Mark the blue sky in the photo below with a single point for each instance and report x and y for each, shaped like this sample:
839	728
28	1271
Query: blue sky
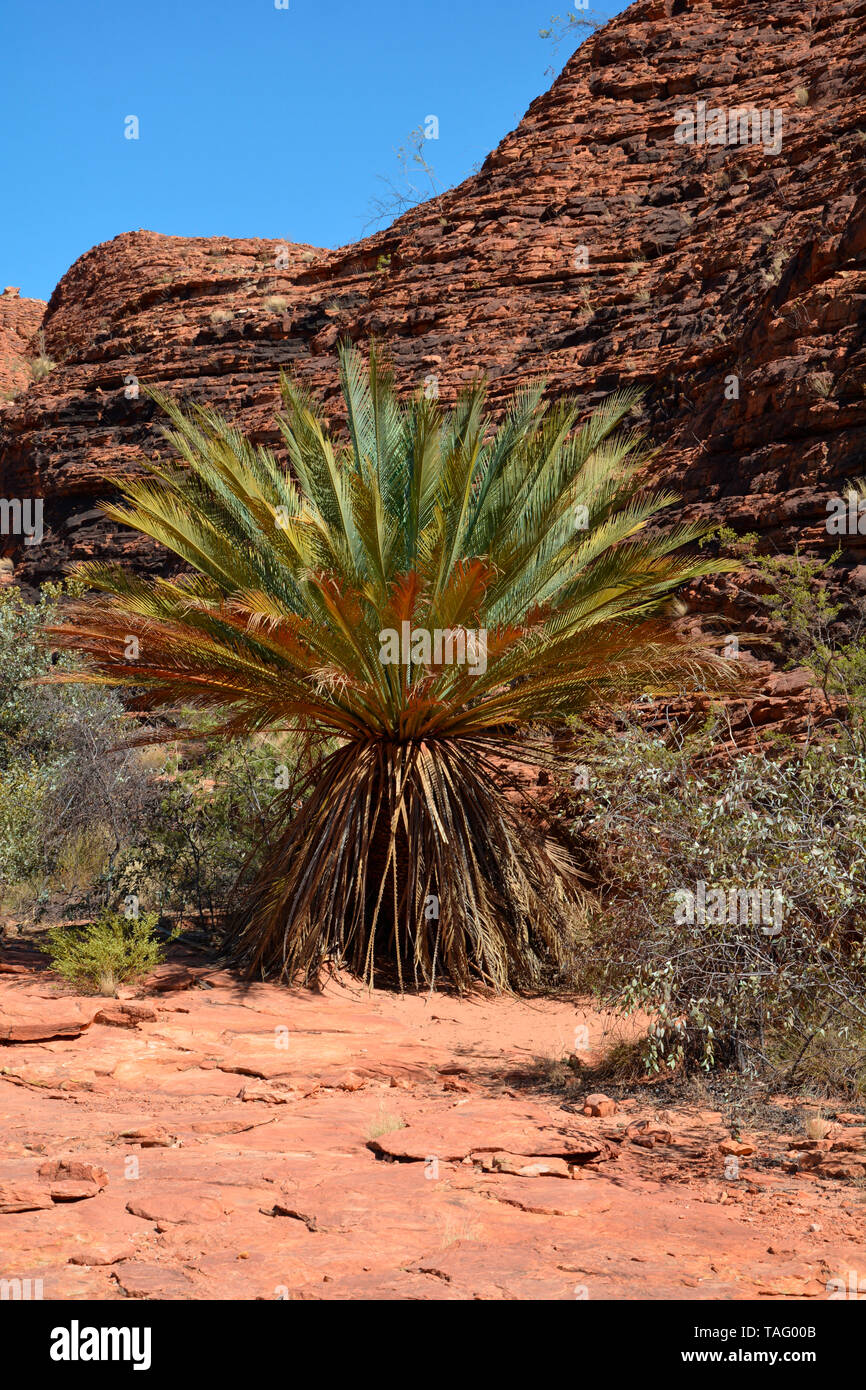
254	121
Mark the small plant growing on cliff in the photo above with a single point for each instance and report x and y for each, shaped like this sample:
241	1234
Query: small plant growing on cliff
532	539
568	26
221	316
42	364
107	953
774	274
415	182
821	383
801	96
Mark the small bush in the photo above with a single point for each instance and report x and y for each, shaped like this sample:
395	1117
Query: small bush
111	950
22	795
66	782
40	367
821	383
683	851
42	364
277	302
86	820
211	813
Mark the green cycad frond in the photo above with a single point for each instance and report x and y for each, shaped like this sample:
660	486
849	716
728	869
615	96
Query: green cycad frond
530	543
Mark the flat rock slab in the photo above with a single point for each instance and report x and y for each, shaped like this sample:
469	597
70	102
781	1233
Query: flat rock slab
476	1129
142	1280
174	1207
521	1167
102	1254
26	1019
73	1190
17	1197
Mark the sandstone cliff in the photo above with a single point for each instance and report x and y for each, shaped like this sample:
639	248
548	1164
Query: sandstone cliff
20	320
596	246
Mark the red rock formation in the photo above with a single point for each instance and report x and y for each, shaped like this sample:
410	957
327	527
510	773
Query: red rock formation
702	263
19	324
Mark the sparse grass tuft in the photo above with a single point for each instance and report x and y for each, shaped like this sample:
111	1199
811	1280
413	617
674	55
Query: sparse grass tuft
822	384
384	1123
624	1063
42	364
817	1127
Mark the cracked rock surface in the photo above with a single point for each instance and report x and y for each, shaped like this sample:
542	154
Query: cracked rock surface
255	1142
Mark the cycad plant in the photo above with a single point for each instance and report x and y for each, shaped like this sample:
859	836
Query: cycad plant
434	595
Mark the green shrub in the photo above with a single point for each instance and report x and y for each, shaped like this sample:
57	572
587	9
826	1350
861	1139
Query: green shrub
211	815
765	985
26	711
85	820
22	795
662	815
819	624
65	778
109	951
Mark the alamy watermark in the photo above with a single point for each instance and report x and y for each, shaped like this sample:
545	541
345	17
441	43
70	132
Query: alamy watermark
738	125
852	1287
756	907
18	1290
846	515
77	1343
419	646
22	518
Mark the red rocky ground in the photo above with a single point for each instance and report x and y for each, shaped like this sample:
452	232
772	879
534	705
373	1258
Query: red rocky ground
214	1140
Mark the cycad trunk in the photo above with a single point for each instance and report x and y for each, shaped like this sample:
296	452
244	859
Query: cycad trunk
410	855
